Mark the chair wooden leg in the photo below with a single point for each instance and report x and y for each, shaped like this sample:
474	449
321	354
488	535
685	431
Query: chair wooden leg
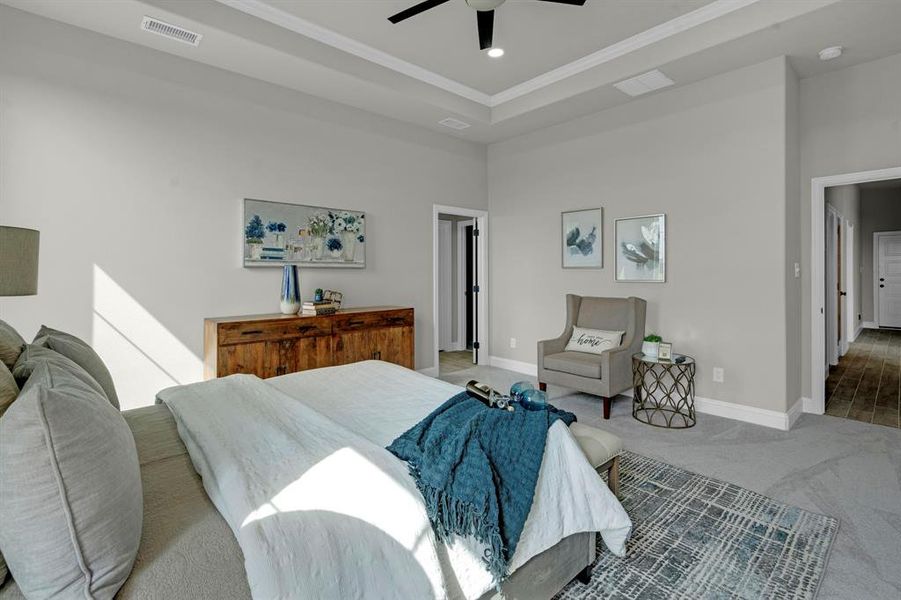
606	407
613	476
542	386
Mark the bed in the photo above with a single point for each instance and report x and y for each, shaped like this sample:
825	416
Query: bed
188	550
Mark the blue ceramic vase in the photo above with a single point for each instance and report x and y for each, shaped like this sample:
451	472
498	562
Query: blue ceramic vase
290	302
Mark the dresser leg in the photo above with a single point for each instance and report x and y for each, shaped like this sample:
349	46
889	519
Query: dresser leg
542	386
606	407
584	575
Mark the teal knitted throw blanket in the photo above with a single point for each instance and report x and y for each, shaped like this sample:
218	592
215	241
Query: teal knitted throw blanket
476	468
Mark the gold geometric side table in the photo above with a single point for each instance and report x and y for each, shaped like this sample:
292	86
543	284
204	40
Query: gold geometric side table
664	391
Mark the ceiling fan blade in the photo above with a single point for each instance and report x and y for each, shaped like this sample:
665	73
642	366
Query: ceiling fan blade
415	10
573	2
486	28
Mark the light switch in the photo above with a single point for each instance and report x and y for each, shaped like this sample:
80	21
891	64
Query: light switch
797	270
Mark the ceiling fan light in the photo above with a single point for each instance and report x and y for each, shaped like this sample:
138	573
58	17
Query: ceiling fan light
484	4
495	52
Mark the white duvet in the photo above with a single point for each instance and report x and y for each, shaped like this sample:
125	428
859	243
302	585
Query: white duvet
297	467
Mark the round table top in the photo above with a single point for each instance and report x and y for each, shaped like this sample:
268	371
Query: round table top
664	361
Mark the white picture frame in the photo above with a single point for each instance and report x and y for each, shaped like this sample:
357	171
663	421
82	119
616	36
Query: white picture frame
640	244
582	238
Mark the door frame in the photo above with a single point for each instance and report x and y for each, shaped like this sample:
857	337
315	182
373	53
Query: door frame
852	310
818	185
481	335
446	317
461	282
876	236
832	301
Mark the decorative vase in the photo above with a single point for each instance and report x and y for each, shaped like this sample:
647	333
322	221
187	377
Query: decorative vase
349	239
280	240
290	302
650	349
256	251
320	251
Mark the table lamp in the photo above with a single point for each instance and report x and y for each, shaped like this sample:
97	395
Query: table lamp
18	261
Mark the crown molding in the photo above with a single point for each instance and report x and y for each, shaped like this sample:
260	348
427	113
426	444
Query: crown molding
276	16
655	34
286	20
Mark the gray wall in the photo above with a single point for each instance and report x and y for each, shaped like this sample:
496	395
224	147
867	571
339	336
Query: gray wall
850	122
880	210
712	156
133	164
846	199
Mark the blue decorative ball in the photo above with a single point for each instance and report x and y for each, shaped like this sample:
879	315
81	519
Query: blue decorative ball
534	399
518	388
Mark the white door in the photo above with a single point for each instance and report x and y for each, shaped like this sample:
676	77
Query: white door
445	286
832	305
889	279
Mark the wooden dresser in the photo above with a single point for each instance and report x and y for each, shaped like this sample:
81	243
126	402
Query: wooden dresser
270	345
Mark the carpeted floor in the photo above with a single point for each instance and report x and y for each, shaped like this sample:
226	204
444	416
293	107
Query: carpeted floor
828	465
695	537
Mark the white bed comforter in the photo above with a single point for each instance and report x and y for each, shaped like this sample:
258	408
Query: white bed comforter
322	510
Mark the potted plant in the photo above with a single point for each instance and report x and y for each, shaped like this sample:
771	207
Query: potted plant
651	345
254	233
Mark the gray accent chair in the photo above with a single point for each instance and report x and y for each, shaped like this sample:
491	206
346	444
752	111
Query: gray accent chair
606	374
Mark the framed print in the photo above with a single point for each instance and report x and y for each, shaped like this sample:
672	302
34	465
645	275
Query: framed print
276	234
665	351
583	239
641	249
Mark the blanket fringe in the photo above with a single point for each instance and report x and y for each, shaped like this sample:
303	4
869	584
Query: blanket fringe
451	516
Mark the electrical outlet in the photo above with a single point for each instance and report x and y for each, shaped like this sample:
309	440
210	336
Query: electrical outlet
797	270
513	342
718	374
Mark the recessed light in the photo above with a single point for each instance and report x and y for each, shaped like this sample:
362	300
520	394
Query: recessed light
495	52
831	52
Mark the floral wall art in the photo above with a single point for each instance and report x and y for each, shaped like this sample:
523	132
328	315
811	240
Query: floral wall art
583	239
276	233
641	249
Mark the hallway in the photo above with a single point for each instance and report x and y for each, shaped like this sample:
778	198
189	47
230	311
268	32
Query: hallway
865	385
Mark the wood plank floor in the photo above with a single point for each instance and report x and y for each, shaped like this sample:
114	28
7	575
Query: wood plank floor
866	384
452	362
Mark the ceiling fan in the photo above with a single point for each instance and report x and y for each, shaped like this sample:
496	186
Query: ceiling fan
484	14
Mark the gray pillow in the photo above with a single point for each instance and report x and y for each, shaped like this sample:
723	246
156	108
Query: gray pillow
71	501
84	356
32	356
10	344
8	392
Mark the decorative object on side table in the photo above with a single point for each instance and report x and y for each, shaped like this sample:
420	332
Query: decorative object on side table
665	351
651	345
641	249
290	301
276	233
583	239
664	391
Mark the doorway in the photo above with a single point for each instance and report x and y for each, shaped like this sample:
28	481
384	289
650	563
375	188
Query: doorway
826	288
887	278
460	292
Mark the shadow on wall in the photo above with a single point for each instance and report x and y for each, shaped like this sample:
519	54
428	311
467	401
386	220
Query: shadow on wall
140	352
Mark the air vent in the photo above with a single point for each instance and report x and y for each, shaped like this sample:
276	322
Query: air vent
644	83
453	123
173	32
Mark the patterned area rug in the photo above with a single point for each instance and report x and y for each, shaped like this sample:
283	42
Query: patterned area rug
696	537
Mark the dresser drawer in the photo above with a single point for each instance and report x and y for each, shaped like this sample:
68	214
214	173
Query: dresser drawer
395	318
249	331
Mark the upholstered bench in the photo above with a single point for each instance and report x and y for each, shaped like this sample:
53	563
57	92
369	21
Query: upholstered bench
602	449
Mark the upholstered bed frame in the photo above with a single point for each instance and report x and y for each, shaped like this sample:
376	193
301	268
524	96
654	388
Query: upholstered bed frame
188	551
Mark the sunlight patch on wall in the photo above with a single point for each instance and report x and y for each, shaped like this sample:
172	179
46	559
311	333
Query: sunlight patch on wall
141	354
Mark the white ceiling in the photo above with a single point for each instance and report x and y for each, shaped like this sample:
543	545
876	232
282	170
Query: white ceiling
558	66
536	36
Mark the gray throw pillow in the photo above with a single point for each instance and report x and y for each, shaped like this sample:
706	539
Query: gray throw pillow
8	392
84	356
10	344
71	501
33	356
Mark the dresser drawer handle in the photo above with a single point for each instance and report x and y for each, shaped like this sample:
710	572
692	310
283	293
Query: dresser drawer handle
252	332
306	328
355	323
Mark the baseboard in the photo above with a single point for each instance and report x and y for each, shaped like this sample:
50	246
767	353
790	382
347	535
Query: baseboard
869	325
795	411
513	365
707	406
430	371
857	333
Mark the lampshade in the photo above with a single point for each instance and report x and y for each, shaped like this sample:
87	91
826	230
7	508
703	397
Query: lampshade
18	261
